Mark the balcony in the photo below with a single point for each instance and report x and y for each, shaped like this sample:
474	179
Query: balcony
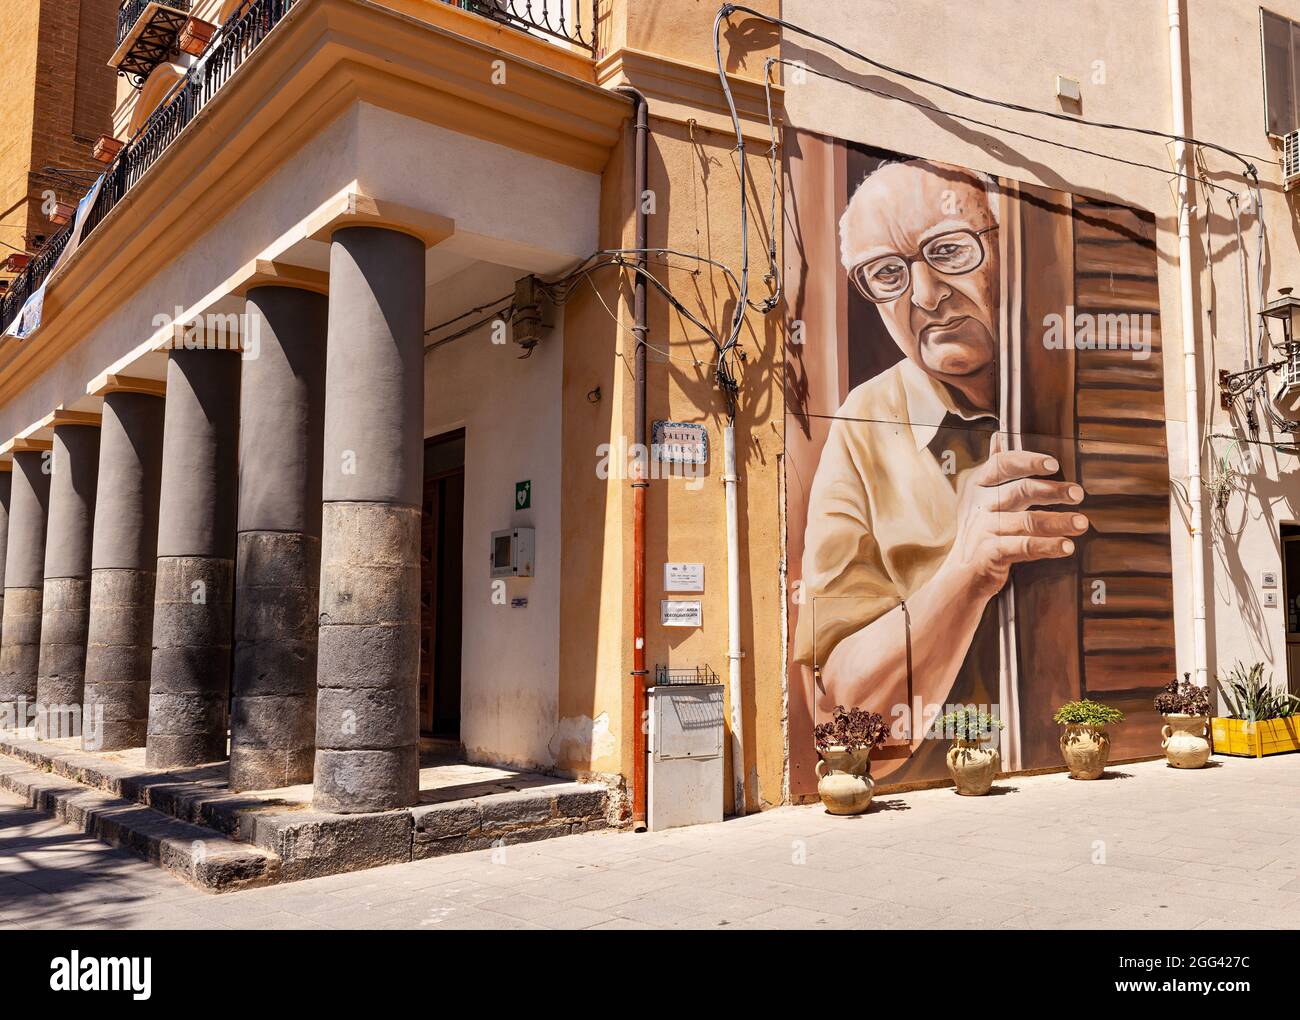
558	20
146	35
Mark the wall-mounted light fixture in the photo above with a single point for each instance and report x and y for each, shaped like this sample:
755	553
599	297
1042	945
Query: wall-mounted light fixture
1284	309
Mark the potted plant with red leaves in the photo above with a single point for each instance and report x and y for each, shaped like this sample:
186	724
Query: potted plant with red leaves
844	771
1186	709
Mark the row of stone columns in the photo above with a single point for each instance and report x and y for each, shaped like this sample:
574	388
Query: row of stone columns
245	561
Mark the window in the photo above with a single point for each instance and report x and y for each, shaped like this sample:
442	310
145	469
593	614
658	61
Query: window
1280	38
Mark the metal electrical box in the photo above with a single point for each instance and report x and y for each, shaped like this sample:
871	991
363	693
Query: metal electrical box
512	553
685	749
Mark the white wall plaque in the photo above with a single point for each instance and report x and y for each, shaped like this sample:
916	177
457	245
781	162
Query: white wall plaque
683	577
680	442
681	613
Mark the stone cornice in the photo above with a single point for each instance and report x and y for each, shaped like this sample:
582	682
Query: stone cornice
326	56
684	92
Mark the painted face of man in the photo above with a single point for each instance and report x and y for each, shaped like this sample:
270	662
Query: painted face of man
941	319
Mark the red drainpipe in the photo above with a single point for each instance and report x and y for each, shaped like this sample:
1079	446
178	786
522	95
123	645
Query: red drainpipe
640	674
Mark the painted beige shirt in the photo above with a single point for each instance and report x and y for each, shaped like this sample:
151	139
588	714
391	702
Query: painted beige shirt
883	507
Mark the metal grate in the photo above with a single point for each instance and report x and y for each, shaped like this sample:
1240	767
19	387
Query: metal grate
684	676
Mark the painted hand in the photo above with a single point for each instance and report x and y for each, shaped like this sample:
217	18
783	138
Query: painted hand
997	524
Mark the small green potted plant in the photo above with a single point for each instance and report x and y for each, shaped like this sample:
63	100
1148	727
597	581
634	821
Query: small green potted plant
972	762
1186	709
844	745
1085	744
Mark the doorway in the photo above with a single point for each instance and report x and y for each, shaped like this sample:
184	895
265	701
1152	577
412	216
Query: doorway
1291	602
442	533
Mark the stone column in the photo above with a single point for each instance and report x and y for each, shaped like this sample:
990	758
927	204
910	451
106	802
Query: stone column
120	639
6	487
65	605
189	683
20	635
277	571
367	724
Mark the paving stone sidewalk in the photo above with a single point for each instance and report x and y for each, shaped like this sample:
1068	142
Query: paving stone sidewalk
1146	847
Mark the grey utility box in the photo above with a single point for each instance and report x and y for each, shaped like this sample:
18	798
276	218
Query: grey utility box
685	744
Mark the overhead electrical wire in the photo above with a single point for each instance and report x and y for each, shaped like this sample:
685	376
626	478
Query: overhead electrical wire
725	376
726	10
931	108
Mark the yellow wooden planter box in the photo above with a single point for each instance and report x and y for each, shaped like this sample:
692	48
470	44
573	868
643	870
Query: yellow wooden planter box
1255	739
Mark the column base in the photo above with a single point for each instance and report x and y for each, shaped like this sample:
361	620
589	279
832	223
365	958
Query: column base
20	652
119	651
61	675
189	684
273	710
367	709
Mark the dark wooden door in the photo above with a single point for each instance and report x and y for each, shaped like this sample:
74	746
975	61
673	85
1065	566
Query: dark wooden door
441	574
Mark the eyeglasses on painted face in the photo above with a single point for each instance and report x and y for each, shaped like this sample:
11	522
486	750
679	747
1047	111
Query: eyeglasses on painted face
887	277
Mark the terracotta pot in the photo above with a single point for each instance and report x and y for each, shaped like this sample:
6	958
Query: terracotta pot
1085	749
972	765
107	148
1184	740
844	782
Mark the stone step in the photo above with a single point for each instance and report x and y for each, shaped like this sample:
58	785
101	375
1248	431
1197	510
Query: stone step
303	842
193	853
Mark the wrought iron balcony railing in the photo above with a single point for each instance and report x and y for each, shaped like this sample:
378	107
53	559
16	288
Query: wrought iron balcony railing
252	22
559	19
129	13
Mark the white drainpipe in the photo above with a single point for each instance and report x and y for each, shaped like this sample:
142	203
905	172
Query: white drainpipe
733	620
1191	369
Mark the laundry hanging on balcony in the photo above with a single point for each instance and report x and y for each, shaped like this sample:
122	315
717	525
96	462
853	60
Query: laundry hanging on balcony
28	319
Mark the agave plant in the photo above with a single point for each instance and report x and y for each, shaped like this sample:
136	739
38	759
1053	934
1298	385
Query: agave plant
1250	696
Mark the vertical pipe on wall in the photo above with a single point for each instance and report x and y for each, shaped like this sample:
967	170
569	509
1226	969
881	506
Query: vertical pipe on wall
1191	369
639	461
729	480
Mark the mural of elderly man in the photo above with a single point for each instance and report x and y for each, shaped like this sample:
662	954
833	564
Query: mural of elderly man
916	496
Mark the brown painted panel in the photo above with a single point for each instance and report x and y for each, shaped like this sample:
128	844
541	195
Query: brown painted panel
1110	257
1096	370
1138	736
1128	634
1148	435
1130	669
1129	517
1096	222
1124	471
1118	595
1047	591
1134	554
1119	405
1100	292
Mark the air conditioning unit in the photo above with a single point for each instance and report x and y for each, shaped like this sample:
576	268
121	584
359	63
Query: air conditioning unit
1287	398
1291	160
